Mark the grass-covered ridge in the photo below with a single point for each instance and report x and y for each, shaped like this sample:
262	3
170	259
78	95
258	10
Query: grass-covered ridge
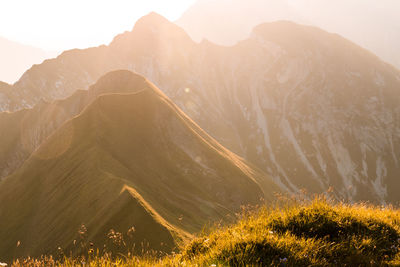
131	157
318	233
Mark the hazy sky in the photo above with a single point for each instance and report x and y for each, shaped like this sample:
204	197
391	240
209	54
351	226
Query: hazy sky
64	24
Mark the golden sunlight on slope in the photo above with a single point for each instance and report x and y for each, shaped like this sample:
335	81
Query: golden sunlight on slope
30	135
130	158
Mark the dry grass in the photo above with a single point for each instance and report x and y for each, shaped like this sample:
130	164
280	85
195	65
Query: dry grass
126	160
293	233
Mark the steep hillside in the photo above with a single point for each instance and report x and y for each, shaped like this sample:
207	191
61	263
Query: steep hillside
131	159
310	108
8	97
24	131
371	25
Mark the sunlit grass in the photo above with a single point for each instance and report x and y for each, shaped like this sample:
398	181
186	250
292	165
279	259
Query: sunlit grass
293	233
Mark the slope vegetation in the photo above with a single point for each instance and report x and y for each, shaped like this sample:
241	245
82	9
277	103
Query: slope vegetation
320	233
24	131
128	159
316	234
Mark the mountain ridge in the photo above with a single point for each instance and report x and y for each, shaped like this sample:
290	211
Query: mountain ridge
373	27
125	154
33	126
313	113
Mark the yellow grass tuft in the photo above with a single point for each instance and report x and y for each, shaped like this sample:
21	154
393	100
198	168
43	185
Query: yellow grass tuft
293	233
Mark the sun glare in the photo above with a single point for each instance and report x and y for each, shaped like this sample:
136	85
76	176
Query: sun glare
60	25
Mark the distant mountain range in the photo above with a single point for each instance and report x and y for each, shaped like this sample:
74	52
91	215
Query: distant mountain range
302	109
16	58
371	24
130	158
314	113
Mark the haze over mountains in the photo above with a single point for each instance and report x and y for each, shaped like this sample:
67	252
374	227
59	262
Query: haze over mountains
85	140
130	158
16	58
316	113
371	24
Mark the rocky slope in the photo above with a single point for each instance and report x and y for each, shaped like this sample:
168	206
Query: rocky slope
128	159
311	108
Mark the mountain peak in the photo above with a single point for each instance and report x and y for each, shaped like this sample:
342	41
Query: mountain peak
120	81
154	23
121	78
152	28
159	25
152	18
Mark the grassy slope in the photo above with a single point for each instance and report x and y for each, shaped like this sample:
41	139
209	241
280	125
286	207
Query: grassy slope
313	234
24	131
122	141
317	234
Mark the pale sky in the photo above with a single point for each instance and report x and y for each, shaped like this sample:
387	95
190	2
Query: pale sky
58	25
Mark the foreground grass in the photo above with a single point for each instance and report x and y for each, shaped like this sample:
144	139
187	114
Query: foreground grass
318	233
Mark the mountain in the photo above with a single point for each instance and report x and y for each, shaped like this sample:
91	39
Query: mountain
131	158
5	95
16	58
22	132
239	18
372	25
308	107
